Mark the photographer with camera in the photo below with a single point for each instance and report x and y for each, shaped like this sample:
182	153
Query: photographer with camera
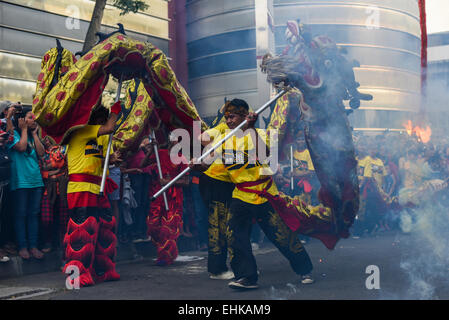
5	172
26	181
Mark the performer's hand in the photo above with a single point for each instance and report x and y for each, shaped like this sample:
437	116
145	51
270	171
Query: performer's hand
116	108
116	157
152	143
194	165
251	118
148	149
164	181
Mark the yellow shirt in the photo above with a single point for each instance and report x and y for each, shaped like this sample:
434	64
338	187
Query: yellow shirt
85	154
217	170
240	163
374	168
304	159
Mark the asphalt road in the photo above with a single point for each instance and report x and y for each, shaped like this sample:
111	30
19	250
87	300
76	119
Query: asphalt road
340	274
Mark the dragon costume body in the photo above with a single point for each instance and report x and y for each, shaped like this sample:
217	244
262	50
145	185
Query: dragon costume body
67	94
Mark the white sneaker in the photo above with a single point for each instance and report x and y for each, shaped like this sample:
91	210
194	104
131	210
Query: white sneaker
227	275
307	279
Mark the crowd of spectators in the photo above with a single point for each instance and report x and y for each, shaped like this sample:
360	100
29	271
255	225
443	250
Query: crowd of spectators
397	172
33	191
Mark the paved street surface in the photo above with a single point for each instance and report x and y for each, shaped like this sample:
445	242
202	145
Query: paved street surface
339	274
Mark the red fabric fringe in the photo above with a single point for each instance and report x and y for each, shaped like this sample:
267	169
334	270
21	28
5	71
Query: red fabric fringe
423	24
295	220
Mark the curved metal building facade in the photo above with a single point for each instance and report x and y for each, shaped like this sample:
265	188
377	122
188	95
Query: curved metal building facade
29	28
383	35
221	46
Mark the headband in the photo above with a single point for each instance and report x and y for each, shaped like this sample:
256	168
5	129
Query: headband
229	108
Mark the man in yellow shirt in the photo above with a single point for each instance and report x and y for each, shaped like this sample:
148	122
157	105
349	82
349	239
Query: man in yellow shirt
252	177
371	173
216	190
90	242
373	167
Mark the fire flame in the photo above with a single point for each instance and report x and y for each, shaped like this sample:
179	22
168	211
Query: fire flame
422	134
409	127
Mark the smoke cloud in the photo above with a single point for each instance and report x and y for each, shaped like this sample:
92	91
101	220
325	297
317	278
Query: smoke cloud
425	257
426	261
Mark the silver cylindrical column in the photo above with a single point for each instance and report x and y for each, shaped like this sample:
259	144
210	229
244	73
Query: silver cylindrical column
221	47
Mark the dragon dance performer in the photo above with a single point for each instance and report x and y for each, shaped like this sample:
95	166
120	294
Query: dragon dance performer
90	240
253	181
216	190
374	200
305	182
164	225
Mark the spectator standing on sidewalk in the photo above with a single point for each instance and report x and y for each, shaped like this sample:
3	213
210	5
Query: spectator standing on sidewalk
115	196
26	183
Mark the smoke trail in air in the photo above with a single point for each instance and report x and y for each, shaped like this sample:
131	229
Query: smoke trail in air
427	259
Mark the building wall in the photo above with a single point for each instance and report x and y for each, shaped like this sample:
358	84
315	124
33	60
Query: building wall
438	82
221	47
29	28
438	58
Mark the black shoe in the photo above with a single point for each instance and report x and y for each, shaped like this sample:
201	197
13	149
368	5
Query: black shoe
243	283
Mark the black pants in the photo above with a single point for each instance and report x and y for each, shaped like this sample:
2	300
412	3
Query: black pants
7	233
80	214
243	262
217	195
140	183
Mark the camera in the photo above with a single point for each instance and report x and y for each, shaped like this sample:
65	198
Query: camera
21	112
18	107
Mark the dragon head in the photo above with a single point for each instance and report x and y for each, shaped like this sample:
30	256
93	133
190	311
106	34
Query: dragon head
315	65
